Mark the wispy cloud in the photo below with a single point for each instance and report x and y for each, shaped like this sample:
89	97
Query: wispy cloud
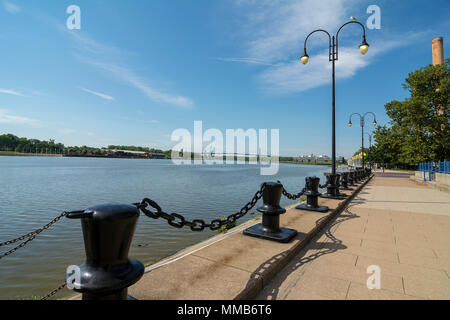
247	61
98	94
95	53
272	32
134	80
107	57
292	76
86	44
12	92
11	7
5	117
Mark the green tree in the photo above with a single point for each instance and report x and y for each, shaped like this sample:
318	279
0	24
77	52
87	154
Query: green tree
419	129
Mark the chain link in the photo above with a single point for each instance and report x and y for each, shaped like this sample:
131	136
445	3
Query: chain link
51	294
178	221
293	196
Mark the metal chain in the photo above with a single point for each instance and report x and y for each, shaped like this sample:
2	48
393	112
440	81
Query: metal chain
178	221
23	244
293	196
51	294
31	235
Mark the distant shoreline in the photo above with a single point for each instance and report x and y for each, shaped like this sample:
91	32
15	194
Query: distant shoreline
309	164
20	154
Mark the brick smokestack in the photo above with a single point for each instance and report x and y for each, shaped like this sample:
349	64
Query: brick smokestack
438	51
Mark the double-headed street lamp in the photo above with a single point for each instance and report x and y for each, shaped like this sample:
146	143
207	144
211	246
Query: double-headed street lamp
333	57
362	123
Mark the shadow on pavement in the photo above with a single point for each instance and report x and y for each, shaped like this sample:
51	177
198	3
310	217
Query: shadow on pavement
301	258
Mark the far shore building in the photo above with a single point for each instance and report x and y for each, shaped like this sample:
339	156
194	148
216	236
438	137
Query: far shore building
311	158
139	154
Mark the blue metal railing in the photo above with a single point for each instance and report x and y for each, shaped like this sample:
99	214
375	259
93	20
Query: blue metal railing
434	167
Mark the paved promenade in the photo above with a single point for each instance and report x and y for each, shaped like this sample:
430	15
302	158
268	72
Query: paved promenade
395	223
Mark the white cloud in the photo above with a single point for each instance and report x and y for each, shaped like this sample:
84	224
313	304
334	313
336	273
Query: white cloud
11	7
11	92
132	79
293	76
98	94
274	30
10	119
103	52
84	43
247	61
273	33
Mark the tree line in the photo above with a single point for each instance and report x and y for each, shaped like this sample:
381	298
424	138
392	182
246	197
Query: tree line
419	128
12	143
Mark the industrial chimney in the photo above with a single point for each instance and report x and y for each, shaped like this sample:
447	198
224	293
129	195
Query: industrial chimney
438	51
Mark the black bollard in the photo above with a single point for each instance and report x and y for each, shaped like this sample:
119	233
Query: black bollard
108	272
351	178
333	187
270	229
312	196
344	181
357	176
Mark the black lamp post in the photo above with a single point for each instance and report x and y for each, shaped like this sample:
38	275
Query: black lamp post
362	123
370	139
370	146
333	57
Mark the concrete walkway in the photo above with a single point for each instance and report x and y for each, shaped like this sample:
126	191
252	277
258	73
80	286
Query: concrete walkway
395	223
233	266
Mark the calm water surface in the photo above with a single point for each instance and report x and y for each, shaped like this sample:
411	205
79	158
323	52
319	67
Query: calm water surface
33	190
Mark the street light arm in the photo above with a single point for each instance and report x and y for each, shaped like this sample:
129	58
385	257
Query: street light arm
337	34
362	26
354	114
373	114
329	42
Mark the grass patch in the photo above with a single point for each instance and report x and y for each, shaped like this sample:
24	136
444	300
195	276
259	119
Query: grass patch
226	227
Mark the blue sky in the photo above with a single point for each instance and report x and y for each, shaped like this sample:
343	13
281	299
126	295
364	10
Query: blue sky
137	70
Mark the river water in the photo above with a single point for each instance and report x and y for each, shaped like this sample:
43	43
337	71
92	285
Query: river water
34	190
